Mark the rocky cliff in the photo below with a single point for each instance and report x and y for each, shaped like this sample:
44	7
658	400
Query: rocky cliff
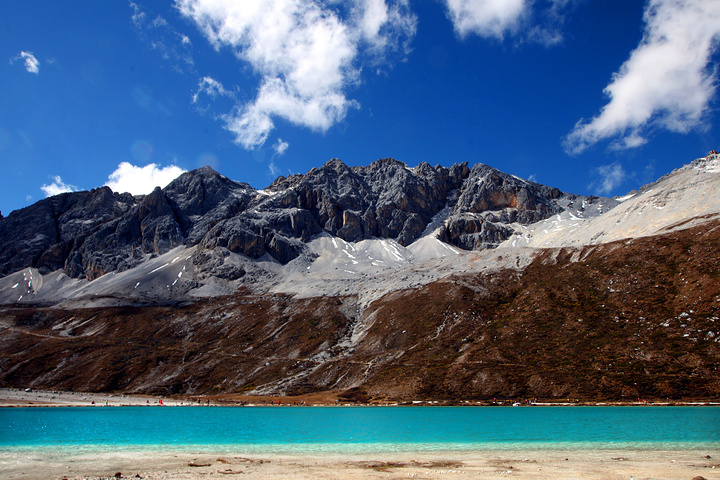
88	234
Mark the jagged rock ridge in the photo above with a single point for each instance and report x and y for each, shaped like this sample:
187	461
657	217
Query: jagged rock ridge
88	234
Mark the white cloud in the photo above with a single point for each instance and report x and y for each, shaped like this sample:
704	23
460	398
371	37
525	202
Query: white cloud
138	16
280	147
385	27
532	21
211	95
252	123
159	22
211	87
545	36
609	178
31	63
665	83
372	15
273	169
142	180
57	187
306	53
487	18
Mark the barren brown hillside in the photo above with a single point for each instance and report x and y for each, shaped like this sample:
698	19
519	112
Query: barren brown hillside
625	320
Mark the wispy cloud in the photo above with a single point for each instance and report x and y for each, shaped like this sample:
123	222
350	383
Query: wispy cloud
280	146
161	36
142	180
385	28
31	63
550	20
306	53
608	178
212	88
531	21
487	18
666	83
139	17
273	169
57	187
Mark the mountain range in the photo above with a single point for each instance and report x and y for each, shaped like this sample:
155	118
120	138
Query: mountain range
380	282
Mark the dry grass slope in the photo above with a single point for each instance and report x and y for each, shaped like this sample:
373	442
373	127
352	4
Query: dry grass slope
625	320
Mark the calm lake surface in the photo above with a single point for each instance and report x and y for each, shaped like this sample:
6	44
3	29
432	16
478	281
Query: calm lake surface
358	429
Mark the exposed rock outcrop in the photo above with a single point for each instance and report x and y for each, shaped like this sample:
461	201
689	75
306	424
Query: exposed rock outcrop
88	234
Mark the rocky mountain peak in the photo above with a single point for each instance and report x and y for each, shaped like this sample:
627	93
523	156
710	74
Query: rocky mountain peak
708	163
488	189
491	201
336	165
388	162
87	234
198	191
206	170
283	183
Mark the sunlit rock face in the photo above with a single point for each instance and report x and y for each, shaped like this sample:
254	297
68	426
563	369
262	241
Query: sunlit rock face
88	234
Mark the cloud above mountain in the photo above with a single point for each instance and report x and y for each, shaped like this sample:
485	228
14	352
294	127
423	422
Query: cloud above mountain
161	36
608	178
668	81
57	187
142	180
306	54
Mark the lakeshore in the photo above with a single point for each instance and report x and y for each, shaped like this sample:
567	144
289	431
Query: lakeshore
347	443
519	464
14	397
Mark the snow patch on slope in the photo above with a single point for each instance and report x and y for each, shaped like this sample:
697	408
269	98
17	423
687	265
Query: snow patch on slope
681	199
372	268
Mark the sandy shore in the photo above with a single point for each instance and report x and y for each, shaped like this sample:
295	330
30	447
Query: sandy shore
539	465
11	397
14	397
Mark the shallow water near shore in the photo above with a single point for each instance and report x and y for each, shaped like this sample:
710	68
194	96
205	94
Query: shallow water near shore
333	430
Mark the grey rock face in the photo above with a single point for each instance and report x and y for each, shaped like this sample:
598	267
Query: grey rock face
384	200
45	234
490	200
91	233
202	198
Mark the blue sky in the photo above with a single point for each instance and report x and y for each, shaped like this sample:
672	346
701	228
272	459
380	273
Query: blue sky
590	96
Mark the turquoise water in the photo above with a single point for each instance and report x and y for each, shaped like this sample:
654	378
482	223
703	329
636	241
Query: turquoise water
358	429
